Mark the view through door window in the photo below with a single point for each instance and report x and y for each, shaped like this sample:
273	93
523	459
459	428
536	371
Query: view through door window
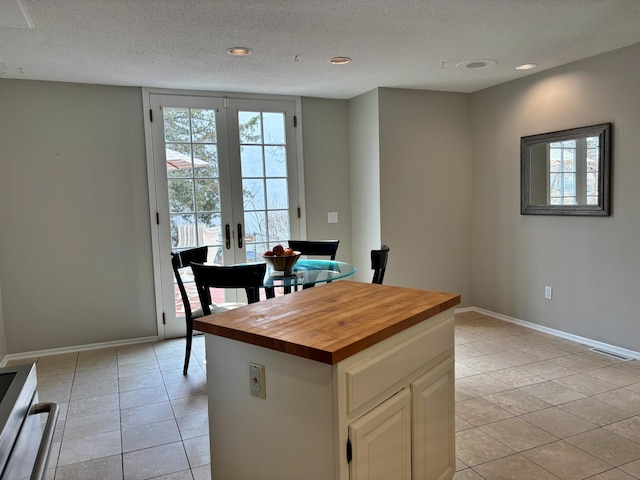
263	157
230	167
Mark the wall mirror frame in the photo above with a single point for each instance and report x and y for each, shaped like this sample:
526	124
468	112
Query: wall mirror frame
567	172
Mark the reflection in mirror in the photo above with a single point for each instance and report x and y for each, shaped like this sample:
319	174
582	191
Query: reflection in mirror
566	172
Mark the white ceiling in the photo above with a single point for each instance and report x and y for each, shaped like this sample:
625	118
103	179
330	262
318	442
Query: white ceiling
393	43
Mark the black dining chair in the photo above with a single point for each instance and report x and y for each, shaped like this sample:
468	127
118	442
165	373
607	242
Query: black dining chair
379	263
319	248
315	248
179	260
250	277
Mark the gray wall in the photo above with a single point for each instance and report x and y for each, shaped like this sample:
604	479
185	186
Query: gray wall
364	153
410	153
593	264
397	165
75	243
75	255
326	171
425	193
3	343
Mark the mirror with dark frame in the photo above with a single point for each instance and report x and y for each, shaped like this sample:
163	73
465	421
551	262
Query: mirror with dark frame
567	172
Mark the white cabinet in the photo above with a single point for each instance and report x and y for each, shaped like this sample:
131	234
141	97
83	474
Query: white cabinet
408	436
381	441
393	402
410	372
432	401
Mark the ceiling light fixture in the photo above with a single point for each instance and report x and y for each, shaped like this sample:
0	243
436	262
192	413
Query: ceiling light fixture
339	60
526	66
477	64
239	51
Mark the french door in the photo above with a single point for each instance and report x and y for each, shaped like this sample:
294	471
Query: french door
225	177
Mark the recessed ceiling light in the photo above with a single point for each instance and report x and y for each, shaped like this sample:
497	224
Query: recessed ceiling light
477	64
239	51
339	60
526	66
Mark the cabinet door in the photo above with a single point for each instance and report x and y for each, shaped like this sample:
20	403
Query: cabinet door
432	397
381	441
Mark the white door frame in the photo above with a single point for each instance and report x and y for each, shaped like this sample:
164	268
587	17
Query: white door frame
158	275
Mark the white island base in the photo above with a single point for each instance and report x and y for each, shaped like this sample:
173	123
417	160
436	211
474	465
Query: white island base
386	412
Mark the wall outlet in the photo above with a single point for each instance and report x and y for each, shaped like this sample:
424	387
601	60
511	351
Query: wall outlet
548	293
257	380
332	217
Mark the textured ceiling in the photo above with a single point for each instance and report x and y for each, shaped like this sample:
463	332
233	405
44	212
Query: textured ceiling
393	43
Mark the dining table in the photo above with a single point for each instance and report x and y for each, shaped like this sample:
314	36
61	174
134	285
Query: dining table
306	273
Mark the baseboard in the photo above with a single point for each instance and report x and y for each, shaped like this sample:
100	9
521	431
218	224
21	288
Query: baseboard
557	333
77	348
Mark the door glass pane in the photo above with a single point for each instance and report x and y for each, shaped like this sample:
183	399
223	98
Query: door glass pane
250	124
275	161
278	226
205	159
277	197
193	186
180	195
251	161
177	125
183	234
179	160
256	234
265	191
203	125
274	128
253	194
207	194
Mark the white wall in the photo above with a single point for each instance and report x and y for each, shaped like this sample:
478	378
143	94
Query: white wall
364	152
326	170
593	263
425	193
75	243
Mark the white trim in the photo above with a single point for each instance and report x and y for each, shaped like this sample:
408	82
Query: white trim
76	348
219	94
300	169
155	198
556	333
153	209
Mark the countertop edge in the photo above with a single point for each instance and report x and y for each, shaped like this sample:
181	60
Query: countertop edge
320	355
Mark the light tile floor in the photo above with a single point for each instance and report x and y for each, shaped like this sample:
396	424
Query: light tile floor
528	406
534	406
128	412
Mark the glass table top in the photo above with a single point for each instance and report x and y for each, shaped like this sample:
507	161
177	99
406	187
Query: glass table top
308	272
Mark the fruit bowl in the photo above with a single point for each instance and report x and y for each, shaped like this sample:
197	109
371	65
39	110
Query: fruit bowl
282	263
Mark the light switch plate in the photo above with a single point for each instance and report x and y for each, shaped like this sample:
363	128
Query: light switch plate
332	217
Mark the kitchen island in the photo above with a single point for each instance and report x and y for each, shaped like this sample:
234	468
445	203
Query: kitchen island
343	381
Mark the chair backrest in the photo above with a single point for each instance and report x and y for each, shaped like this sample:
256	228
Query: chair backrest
379	263
250	277
182	259
327	248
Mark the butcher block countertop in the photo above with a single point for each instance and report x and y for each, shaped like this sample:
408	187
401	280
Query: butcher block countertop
331	322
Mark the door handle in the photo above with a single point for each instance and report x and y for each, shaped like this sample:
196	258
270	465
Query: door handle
227	236
239	235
